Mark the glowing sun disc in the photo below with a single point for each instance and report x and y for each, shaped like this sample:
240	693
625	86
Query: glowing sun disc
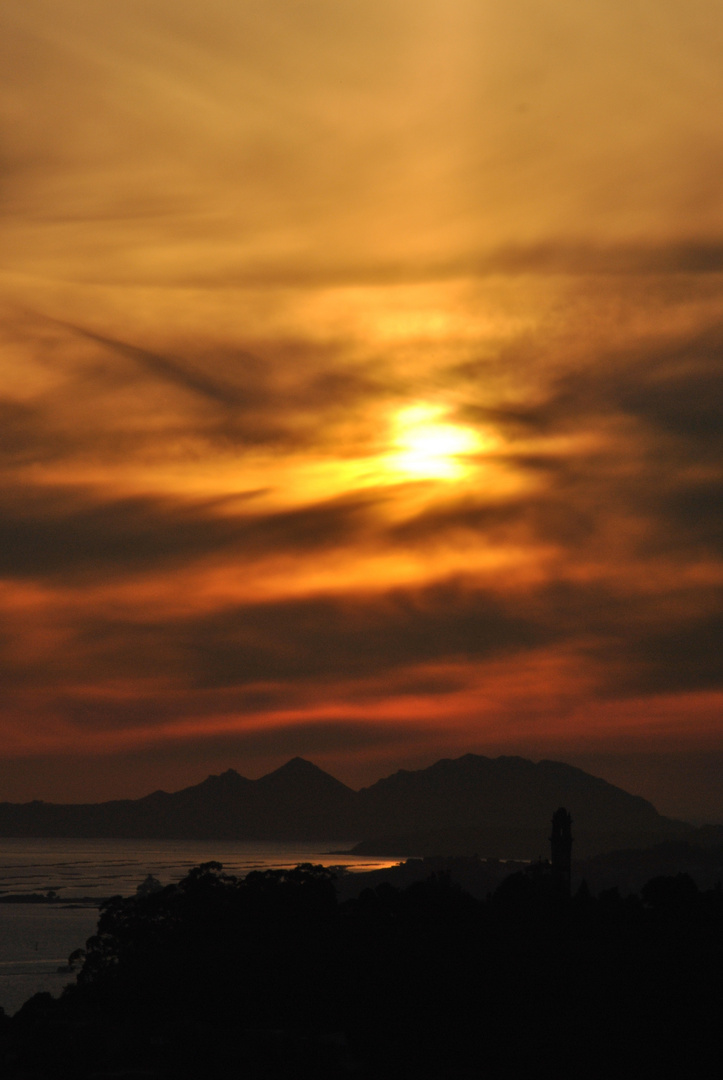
427	447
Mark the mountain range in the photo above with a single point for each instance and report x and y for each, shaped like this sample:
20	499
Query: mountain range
494	807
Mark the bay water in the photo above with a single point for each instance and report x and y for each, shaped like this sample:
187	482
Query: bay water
37	938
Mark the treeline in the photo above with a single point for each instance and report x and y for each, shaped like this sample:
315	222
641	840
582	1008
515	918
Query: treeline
272	976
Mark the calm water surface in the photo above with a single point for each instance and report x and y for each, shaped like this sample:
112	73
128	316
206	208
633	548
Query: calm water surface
36	938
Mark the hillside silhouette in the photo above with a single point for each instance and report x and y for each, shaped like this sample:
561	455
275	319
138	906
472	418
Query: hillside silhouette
471	804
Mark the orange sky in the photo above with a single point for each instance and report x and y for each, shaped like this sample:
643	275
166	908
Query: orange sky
360	390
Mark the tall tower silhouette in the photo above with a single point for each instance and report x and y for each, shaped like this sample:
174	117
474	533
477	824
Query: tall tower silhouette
561	848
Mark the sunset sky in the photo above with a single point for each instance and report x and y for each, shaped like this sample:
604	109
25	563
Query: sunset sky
360	390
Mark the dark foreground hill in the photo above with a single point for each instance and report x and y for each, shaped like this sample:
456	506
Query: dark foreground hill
273	977
496	807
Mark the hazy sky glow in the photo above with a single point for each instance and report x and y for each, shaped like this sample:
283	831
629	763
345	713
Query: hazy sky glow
360	390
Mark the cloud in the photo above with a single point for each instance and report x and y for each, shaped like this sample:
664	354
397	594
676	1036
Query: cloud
642	485
680	657
157	146
692	514
168	369
96	397
350	655
319	637
26	437
77	536
674	383
561	256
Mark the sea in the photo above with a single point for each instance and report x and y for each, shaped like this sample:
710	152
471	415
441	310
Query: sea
37	938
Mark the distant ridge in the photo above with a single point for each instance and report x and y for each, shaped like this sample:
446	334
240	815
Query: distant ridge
474	803
501	807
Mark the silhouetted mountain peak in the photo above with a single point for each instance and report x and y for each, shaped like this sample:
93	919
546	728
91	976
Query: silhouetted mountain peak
228	781
504	792
473	768
298	765
230	776
298	771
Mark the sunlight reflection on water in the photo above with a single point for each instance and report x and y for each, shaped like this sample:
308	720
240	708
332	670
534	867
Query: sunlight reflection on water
100	868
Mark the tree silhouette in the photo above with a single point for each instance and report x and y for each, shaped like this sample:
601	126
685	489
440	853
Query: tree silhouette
271	976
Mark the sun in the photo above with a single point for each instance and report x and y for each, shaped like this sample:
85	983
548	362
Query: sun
427	447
